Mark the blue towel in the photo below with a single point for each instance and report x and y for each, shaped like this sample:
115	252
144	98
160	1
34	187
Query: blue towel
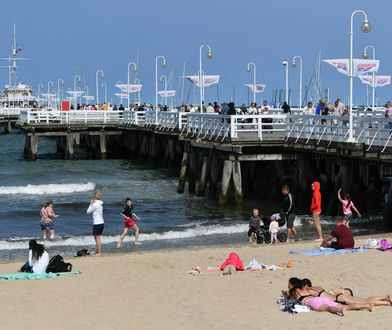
32	276
326	252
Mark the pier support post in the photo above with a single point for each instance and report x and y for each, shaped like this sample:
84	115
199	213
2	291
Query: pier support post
31	147
226	178
7	127
77	139
192	172
214	176
61	145
205	170
70	145
102	144
183	172
237	180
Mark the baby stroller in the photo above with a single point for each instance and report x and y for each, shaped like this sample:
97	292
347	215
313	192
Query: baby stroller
264	236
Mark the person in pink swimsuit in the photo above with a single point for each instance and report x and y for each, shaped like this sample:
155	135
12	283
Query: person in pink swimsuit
347	205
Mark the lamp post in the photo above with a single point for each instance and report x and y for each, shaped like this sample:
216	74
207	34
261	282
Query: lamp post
105	89
137	81
40	85
201	75
97	74
366	56
365	28
50	83
164	80
77	80
293	63
128	74
156	83
254	78
60	82
285	63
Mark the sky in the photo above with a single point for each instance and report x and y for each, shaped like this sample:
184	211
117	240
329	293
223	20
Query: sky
64	38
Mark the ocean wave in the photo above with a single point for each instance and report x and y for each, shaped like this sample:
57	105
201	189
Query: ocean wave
199	231
47	189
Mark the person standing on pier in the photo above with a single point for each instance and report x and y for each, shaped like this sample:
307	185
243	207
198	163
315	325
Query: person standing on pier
96	210
315	209
289	212
286	108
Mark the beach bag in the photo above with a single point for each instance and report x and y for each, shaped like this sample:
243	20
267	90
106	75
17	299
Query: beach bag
384	245
82	253
371	243
57	265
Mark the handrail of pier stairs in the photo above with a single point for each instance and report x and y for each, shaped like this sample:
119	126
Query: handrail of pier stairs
318	142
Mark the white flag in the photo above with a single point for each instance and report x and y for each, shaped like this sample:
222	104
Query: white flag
208	80
360	66
131	88
167	93
379	81
259	87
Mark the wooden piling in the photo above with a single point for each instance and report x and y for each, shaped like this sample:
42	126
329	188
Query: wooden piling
204	176
7	127
225	183
31	147
70	145
102	144
183	172
237	180
214	176
192	172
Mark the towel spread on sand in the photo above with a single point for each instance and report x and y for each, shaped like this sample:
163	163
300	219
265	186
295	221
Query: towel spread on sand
326	251
32	276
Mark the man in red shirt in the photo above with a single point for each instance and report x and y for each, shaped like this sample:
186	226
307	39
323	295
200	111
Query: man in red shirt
344	237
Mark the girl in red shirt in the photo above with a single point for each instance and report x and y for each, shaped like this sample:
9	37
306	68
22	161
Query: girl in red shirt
315	209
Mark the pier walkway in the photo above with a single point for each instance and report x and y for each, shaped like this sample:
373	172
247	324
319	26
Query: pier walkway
371	131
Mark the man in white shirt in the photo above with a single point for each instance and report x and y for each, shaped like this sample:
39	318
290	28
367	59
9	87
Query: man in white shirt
210	108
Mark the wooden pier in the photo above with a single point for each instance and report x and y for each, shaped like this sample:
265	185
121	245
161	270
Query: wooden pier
221	156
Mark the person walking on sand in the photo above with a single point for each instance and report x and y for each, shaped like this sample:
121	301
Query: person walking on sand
289	212
47	220
96	210
129	222
315	209
347	205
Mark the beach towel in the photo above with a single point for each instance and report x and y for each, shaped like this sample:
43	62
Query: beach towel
326	251
233	260
254	265
32	276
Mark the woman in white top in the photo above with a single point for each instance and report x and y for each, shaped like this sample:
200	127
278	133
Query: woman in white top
38	259
96	209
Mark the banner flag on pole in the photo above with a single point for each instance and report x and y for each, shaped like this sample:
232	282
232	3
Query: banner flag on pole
170	93
259	87
131	88
208	80
379	81
360	66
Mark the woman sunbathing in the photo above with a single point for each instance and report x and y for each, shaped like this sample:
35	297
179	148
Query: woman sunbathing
306	296
344	296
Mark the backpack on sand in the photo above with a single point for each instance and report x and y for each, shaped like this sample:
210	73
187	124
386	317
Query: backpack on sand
57	265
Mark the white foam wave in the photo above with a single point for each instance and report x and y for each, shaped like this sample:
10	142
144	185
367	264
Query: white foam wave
168	235
47	189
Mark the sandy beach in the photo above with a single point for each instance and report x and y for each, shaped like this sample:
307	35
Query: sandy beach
153	290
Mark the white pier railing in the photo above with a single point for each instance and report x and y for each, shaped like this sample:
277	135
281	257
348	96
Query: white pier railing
73	117
10	112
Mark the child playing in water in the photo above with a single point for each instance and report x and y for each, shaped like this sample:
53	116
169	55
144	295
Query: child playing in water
254	225
47	220
273	230
347	204
129	222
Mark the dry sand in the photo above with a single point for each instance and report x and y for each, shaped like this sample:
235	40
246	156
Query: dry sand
153	290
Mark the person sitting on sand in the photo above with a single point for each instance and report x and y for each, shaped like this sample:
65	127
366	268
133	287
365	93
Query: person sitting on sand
299	293
347	205
129	222
38	259
47	220
343	234
254	225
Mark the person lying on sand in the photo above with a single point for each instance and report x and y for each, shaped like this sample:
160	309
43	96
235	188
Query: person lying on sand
299	292
340	295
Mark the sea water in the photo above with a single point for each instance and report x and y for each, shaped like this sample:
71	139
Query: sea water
168	219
